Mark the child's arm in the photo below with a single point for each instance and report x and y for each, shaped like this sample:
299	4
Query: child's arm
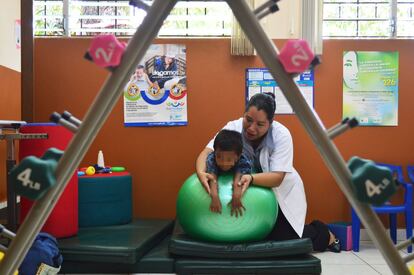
215	205
236	204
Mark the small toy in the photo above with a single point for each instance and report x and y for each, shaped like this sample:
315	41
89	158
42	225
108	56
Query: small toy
102	169
99	168
90	171
117	169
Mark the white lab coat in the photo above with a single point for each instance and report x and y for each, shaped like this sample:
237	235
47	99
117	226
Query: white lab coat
277	156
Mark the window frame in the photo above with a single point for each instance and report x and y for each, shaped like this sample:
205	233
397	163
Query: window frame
180	24
392	19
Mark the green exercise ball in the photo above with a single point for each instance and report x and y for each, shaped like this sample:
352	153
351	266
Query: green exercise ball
195	217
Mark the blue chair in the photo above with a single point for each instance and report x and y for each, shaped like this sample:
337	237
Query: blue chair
410	171
392	210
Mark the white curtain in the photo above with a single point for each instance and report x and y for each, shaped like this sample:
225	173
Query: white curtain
312	24
240	44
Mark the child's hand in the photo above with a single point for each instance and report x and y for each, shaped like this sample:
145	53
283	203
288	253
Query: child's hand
237	206
215	205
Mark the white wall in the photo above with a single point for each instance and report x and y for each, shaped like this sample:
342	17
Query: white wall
9	55
286	23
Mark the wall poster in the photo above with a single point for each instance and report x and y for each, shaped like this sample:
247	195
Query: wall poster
370	87
156	94
259	80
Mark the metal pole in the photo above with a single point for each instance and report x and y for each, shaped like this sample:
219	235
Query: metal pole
94	119
310	120
11	194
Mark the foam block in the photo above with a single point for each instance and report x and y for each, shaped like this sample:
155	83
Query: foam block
343	232
63	221
105	199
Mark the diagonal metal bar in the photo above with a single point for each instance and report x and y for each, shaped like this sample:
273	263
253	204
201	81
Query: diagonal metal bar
94	119
310	120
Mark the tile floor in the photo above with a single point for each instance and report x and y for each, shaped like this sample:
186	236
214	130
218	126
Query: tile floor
368	261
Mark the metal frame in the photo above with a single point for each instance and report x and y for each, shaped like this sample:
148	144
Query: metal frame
112	90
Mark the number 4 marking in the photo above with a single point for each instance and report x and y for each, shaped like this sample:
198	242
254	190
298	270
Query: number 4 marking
372	189
24	177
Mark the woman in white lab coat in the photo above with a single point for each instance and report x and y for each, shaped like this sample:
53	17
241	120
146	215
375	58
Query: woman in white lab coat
269	144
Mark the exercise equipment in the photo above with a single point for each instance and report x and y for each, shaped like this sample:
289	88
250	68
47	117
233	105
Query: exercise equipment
296	56
34	176
144	246
105	199
343	126
10	131
105	51
63	220
266	8
183	245
391	209
373	184
194	215
113	89
123	244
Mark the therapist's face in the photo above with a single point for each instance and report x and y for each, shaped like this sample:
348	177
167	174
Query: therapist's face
255	123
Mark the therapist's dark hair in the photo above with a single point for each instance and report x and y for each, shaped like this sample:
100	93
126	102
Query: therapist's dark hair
265	102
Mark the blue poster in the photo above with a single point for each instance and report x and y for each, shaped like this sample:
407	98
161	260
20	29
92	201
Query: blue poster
259	80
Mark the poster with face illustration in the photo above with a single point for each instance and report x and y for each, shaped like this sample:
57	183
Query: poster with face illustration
370	87
156	94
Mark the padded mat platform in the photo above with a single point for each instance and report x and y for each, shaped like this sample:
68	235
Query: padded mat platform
181	244
301	264
157	260
115	244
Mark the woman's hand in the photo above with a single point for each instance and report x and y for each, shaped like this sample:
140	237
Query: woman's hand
205	179
244	182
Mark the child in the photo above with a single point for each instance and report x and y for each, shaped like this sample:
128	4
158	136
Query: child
228	157
141	78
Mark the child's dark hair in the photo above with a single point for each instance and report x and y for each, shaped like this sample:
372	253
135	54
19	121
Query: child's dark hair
227	140
265	102
140	67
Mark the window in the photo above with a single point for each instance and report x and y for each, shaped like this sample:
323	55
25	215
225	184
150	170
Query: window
369	19
84	18
48	18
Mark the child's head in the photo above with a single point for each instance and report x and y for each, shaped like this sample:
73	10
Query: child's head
140	71
228	146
